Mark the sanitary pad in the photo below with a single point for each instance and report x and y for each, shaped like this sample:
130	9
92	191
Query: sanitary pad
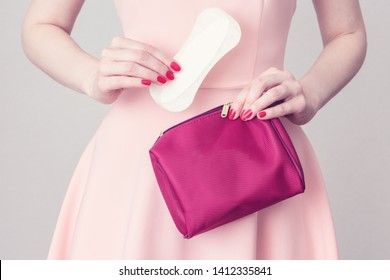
214	34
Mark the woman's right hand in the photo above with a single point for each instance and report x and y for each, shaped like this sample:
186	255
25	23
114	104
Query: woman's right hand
127	63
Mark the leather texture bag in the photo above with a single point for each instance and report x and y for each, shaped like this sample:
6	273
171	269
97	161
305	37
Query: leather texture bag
212	171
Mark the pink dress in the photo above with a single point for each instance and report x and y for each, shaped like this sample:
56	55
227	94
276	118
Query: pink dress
113	208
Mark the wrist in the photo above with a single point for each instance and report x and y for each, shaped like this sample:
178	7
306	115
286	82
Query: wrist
88	85
311	95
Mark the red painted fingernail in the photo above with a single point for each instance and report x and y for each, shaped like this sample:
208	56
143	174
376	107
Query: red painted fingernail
261	115
146	82
248	114
243	114
175	67
232	114
161	79
170	75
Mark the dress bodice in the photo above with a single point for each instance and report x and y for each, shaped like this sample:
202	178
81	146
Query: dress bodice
166	25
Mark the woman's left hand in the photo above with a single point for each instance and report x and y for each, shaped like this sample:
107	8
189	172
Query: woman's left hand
276	87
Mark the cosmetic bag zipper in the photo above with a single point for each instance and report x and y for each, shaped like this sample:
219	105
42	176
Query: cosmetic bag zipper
224	112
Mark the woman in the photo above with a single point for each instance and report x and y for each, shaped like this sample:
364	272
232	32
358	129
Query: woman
113	208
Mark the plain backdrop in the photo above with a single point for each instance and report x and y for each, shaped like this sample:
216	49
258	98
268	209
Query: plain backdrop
44	127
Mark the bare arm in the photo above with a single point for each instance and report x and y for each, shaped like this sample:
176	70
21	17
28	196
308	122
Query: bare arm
124	64
344	40
47	42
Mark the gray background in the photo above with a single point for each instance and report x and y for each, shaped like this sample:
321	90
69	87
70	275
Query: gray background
44	127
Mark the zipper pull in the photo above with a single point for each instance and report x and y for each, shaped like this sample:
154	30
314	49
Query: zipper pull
225	109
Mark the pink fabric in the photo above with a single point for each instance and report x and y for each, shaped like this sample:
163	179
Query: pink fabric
113	208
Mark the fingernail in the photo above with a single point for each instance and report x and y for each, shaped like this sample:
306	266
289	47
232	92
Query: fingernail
248	114
261	114
232	114
146	82
161	79
170	75
242	114
175	67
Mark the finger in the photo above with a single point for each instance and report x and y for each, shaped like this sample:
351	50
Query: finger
272	96
143	59
262	85
238	104
130	69
285	91
241	107
125	43
269	79
258	89
286	108
118	83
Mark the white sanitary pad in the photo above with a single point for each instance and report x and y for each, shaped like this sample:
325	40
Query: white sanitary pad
214	34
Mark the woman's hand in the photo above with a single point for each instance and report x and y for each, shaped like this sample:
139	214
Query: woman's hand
278	88
344	39
127	63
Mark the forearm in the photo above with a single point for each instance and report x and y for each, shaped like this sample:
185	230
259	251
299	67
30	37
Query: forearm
344	38
339	61
52	49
